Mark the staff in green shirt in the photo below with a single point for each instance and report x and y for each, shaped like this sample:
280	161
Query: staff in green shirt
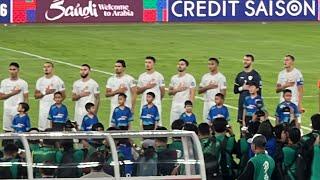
261	166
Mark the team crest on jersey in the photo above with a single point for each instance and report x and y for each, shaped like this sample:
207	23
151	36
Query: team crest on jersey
250	78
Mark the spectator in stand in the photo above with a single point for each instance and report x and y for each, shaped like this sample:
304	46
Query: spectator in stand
96	170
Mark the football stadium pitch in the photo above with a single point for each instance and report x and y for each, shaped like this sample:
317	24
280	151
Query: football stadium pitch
101	45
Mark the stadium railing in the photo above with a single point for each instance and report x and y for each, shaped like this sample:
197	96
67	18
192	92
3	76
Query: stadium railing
191	159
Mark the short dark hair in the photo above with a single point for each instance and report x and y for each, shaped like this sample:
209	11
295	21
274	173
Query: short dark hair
96	126
220	125
266	129
278	130
97	157
122	95
177	124
151	58
190	127
291	57
25	106
294	135
220	95
151	94
86	65
214	59
57	93
315	121
88	106
122	62
10	149
185	61
250	56
286	91
187	103
162	139
49	62
204	129
14	64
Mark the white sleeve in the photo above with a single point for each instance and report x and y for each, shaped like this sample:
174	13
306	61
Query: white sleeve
108	85
25	89
139	84
96	88
162	83
61	85
193	83
38	85
202	81
300	80
223	82
74	88
132	82
1	87
279	78
171	82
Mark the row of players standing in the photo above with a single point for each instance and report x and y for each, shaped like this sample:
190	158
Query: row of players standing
182	87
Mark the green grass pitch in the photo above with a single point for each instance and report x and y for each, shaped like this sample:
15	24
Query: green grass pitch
101	45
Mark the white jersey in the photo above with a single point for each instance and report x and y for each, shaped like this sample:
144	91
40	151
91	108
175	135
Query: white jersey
293	76
6	87
10	105
46	101
115	82
79	86
184	81
146	78
218	79
178	100
157	78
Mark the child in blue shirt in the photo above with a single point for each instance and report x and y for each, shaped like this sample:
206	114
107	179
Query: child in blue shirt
21	121
89	119
58	113
252	104
218	110
122	115
287	111
149	113
188	117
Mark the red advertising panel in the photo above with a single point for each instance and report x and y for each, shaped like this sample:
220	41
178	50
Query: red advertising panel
89	11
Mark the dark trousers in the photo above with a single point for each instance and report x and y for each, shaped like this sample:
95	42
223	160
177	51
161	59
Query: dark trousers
149	127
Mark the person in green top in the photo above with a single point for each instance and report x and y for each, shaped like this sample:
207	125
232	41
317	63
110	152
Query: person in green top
315	175
176	143
290	154
70	157
45	153
211	152
261	166
224	134
307	142
14	170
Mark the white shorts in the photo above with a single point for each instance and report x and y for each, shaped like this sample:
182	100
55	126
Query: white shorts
8	115
78	116
206	108
112	107
43	122
176	111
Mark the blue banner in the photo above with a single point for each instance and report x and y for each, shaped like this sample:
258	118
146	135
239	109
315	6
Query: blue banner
5	11
242	10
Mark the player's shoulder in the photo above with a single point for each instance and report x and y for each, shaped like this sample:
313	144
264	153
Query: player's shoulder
158	74
22	81
55	77
92	81
297	71
189	75
6	80
128	76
